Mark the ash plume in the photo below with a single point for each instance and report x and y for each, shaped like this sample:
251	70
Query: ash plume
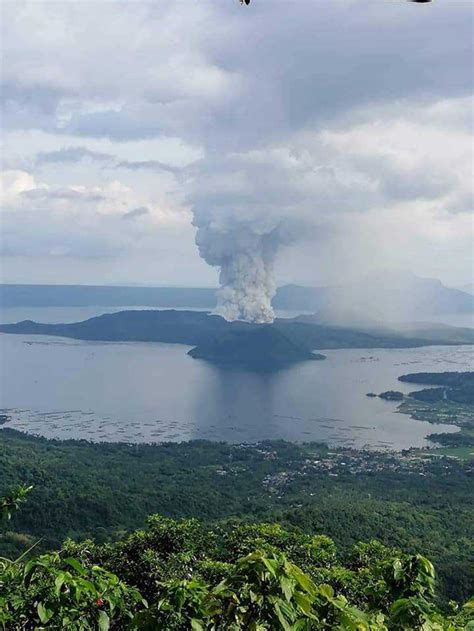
245	214
245	255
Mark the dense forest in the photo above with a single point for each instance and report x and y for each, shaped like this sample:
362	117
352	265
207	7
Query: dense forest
185	575
417	502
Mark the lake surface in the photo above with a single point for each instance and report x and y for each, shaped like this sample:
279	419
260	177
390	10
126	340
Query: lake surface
151	392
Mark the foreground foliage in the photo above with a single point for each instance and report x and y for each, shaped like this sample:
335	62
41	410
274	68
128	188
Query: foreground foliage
178	575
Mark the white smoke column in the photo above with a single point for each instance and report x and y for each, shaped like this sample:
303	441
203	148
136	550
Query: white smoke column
247	288
244	253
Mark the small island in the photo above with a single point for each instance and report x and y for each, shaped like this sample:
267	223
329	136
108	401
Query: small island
391	395
264	346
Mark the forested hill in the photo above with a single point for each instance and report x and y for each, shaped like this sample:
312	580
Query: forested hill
216	334
180	327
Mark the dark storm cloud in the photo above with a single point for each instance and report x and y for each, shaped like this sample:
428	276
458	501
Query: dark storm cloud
284	66
306	66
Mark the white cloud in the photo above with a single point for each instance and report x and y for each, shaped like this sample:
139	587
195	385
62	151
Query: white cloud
13	184
354	118
41	220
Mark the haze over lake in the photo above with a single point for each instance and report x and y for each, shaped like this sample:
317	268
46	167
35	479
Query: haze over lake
142	392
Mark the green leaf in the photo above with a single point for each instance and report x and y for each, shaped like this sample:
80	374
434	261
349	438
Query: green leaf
303	580
28	571
44	613
287	609
196	625
88	586
287	587
283	621
303	602
104	621
58	583
74	563
397	570
271	566
400	608
327	591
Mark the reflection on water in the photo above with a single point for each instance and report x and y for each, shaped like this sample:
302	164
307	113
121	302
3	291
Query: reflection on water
140	392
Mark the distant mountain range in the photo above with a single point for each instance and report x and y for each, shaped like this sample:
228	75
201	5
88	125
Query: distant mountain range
386	296
216	340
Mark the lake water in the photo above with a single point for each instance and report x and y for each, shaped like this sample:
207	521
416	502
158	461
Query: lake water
151	392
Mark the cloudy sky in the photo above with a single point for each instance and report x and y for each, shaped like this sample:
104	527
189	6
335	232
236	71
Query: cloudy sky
350	121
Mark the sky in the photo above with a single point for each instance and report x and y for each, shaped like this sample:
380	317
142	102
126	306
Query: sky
127	125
